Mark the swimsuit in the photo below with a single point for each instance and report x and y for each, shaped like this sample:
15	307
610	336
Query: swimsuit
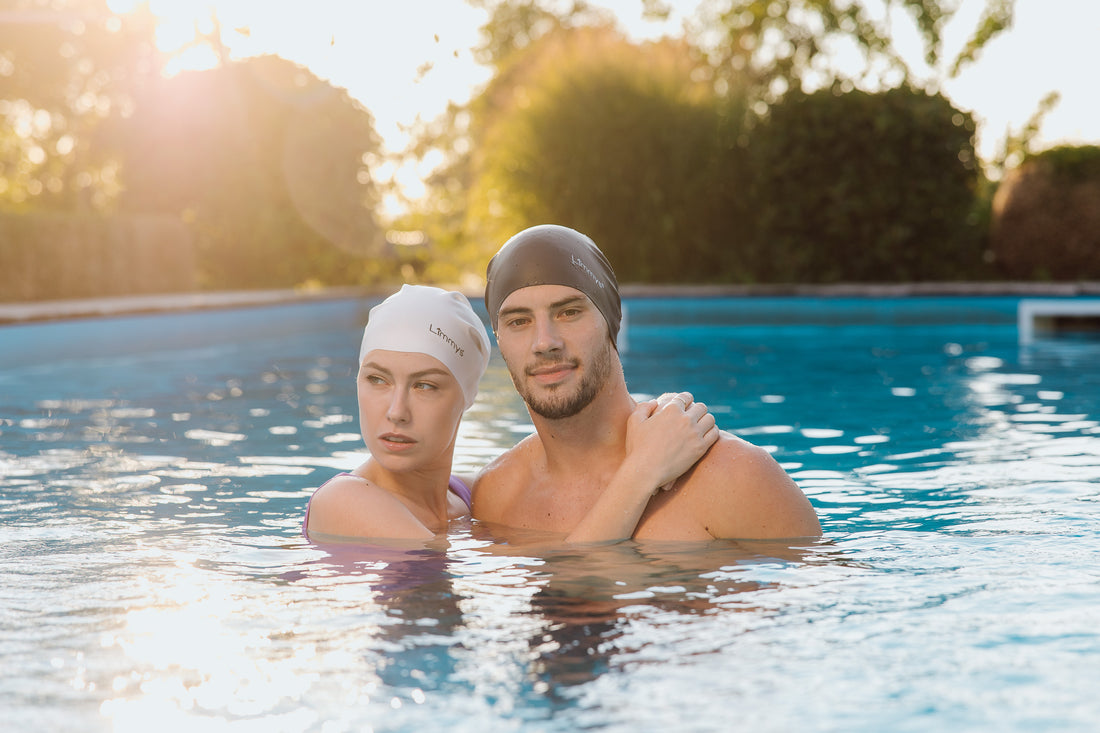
455	485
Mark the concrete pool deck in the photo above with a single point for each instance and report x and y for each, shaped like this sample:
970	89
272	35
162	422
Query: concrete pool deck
50	310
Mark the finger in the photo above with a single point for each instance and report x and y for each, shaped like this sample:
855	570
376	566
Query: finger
698	410
704	420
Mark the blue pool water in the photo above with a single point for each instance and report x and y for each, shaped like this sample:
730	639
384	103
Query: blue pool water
154	470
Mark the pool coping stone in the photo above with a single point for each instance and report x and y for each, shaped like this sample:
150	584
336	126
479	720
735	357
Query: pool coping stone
48	310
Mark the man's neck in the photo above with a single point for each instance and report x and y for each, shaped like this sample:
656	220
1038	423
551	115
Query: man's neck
592	439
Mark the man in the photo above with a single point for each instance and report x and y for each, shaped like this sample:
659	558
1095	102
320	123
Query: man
554	306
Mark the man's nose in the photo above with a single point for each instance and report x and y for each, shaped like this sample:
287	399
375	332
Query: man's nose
547	336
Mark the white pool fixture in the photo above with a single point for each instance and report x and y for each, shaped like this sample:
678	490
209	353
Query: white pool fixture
1047	318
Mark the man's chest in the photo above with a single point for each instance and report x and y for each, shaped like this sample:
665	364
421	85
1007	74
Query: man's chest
553	507
560	507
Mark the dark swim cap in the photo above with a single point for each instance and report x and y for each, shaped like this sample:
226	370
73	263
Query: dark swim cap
554	255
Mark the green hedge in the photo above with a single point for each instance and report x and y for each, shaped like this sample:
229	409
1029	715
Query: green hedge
620	142
57	256
865	187
631	145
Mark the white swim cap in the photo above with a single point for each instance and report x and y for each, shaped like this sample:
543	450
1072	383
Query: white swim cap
439	323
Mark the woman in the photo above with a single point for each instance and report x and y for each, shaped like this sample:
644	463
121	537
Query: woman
423	352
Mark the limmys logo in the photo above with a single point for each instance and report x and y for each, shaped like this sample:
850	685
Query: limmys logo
577	263
436	331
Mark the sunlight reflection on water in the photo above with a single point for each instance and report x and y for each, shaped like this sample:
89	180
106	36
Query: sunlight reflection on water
154	470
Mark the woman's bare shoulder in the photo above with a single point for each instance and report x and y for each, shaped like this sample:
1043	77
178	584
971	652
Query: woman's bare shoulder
351	506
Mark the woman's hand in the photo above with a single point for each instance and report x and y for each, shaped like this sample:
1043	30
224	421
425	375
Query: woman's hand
664	438
667	436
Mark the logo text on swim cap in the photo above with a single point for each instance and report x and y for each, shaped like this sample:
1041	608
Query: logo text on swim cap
436	331
573	260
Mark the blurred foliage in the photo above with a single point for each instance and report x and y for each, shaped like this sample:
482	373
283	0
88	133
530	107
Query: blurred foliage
49	255
1071	163
859	186
775	46
705	158
266	163
1018	145
647	147
625	142
67	67
1046	216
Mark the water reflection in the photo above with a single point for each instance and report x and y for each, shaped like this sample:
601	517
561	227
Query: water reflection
584	602
153	479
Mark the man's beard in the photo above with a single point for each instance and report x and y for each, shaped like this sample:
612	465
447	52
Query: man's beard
559	406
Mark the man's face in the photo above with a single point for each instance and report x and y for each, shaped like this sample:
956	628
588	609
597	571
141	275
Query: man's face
557	348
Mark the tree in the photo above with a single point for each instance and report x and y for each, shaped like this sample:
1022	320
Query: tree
624	142
266	162
781	45
68	68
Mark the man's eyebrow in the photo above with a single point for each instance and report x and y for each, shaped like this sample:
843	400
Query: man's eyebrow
512	310
571	300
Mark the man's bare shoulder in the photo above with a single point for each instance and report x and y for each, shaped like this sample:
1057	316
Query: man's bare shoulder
505	478
744	494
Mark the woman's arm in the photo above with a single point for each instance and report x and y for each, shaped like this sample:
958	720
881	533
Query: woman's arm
664	438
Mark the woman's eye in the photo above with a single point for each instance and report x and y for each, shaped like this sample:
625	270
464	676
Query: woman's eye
425	386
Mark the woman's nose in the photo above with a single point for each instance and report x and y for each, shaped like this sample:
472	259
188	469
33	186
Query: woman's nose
398	411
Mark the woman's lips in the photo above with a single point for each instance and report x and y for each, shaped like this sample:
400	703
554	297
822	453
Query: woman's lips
396	442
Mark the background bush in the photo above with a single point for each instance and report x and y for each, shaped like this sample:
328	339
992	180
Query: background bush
1046	216
56	256
627	144
864	187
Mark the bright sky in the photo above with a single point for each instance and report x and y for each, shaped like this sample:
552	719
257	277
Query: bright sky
405	59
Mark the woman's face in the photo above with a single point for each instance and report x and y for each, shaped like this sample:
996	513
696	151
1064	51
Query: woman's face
410	406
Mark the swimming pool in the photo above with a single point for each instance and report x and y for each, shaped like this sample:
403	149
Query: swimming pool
154	470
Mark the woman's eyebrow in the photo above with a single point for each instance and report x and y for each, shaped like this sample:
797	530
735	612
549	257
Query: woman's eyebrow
374	365
415	375
433	371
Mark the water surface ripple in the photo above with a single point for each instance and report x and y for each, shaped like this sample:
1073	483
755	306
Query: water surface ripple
154	470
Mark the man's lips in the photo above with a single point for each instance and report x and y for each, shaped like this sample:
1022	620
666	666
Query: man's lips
548	373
